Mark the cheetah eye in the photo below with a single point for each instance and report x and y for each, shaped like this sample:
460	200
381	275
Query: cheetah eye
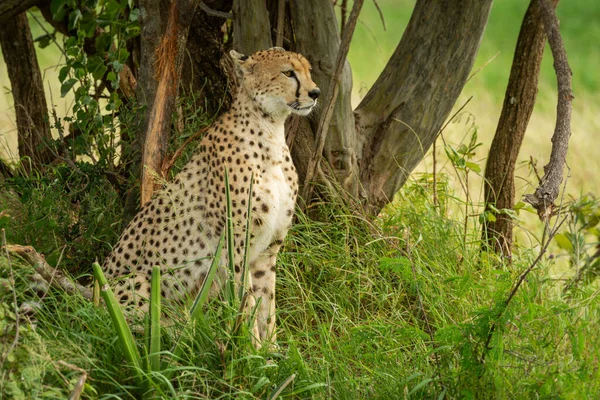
289	73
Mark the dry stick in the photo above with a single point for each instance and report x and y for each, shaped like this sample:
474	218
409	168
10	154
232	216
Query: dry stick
421	306
280	23
518	284
16	305
80	385
543	198
214	13
329	101
50	274
168	164
380	14
344	9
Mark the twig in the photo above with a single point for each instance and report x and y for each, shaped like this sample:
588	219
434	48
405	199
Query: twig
380	14
329	101
50	274
15	303
214	13
421	306
80	385
168	164
518	284
280	23
533	165
343	11
482	67
543	198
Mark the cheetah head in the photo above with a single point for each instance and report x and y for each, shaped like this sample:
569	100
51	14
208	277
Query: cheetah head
278	81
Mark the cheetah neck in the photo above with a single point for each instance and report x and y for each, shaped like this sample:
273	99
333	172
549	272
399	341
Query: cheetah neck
249	114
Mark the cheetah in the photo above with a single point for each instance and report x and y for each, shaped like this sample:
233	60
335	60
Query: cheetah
180	227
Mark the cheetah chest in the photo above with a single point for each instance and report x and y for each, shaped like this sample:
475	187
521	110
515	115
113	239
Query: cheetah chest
277	195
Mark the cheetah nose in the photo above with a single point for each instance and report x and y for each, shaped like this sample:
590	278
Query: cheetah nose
314	94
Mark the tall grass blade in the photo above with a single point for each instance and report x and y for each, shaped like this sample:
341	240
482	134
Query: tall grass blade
230	243
130	350
281	387
244	277
196	310
155	310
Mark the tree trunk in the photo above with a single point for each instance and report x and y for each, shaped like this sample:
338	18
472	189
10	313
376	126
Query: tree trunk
317	38
251	27
203	74
519	101
402	113
34	137
167	70
372	151
545	194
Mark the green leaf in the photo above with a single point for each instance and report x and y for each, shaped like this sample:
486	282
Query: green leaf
67	86
103	42
74	18
563	241
62	74
122	56
57	8
462	149
44	40
473	167
96	67
134	15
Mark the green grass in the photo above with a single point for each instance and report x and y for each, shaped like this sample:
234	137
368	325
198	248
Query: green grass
350	323
398	307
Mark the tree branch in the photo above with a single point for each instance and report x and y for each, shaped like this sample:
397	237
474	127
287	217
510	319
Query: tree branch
9	9
51	275
543	198
342	141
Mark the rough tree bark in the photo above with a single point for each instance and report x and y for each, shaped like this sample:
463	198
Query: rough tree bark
549	188
251	26
10	9
519	101
167	70
34	137
402	113
372	151
203	74
317	37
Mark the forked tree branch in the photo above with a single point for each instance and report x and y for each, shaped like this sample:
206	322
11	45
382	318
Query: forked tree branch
543	198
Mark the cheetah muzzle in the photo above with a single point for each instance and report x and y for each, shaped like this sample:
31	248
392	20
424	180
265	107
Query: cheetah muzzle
180	227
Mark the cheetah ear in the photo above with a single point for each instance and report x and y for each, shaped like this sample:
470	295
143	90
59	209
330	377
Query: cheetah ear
277	48
238	57
242	62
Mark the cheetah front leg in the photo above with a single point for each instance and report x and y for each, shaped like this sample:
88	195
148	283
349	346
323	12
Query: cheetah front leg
262	273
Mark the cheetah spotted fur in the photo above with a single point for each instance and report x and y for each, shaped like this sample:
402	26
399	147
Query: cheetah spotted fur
180	227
